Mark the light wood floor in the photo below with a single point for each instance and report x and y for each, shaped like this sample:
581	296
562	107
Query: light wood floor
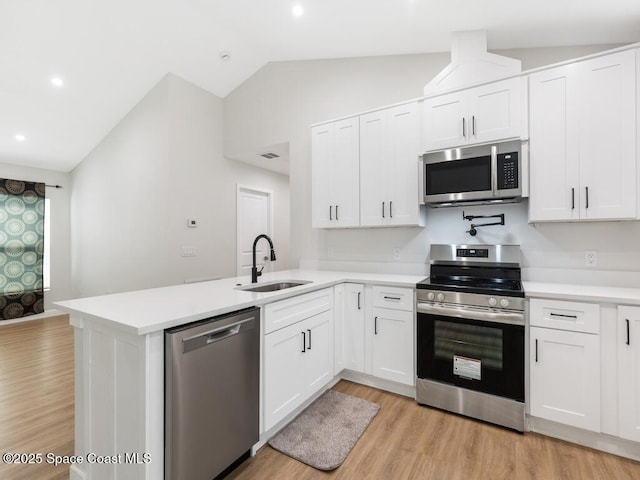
407	441
36	395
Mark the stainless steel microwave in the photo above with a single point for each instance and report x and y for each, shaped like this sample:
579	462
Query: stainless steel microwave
480	174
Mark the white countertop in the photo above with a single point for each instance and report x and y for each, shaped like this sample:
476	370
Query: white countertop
587	293
146	311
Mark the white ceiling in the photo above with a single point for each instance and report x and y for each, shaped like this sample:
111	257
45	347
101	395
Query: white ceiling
111	52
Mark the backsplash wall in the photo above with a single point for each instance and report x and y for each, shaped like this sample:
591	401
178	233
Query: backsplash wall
548	249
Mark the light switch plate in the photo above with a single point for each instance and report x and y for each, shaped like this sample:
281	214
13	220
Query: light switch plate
591	258
188	251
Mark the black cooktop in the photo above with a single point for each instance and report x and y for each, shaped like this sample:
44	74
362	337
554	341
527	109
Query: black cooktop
483	279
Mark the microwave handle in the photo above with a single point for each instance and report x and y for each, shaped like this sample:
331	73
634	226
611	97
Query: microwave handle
494	169
421	180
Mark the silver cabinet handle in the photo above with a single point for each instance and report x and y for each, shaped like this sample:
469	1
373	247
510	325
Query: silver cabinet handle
330	212
536	350
586	190
464	128
573	198
375	325
337	218
304	342
382	209
391	209
359	301
391	298
309	346
473	125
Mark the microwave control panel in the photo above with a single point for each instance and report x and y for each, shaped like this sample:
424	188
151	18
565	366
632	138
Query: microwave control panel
508	174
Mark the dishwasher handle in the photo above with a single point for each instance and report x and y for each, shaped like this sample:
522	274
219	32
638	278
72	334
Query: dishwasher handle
217	334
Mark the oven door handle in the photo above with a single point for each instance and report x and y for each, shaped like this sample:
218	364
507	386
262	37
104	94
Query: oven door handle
472	314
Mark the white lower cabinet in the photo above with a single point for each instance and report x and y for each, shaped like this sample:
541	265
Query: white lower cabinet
298	361
390	334
564	362
629	372
565	377
349	327
392	345
374	331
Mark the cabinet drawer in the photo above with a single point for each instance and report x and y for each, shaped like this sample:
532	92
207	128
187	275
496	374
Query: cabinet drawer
561	315
280	314
393	297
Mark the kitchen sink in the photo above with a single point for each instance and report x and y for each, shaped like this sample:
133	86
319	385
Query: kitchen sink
273	286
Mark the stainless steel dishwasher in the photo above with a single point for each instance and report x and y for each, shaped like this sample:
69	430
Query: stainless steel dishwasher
211	395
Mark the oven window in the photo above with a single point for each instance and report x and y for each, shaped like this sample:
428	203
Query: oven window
457	176
471	342
482	356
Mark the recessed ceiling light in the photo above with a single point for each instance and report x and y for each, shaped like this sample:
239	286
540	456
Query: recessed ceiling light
297	10
20	137
57	81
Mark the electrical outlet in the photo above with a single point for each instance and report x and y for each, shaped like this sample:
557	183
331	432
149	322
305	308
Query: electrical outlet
591	258
188	251
396	254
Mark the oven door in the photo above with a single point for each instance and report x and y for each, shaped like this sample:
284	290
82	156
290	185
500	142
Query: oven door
473	349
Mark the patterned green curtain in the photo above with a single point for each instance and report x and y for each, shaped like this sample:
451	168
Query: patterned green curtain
21	248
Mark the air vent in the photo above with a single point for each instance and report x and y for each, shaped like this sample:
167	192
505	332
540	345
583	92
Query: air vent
269	155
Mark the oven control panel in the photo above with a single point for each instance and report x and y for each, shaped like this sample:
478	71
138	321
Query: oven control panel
471	300
472	252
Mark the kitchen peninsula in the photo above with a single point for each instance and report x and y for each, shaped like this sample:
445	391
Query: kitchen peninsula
119	357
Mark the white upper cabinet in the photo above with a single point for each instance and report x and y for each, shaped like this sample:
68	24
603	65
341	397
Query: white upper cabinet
476	115
608	136
389	167
335	154
553	139
583	140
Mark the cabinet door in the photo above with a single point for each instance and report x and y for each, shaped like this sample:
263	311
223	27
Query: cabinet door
322	138
553	144
494	111
345	173
392	345
629	373
608	137
353	327
401	172
443	121
373	153
284	377
565	377
318	352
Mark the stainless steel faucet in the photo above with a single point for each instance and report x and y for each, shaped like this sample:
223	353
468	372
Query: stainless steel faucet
254	270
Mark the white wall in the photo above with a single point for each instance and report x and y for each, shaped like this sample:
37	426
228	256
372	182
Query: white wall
282	99
132	196
60	231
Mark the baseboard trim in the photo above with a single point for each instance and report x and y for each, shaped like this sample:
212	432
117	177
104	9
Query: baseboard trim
597	441
376	382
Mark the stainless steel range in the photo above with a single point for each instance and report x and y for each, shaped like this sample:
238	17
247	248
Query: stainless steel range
470	333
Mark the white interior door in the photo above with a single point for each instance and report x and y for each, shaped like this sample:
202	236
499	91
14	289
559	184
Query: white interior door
254	216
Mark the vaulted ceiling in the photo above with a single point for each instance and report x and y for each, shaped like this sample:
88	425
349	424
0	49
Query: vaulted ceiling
109	53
